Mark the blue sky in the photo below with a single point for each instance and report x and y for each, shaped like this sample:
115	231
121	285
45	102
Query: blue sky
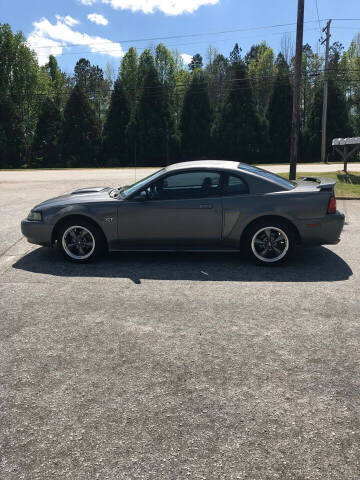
102	27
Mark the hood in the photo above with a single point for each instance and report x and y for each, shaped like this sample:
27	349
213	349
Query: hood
83	195
88	190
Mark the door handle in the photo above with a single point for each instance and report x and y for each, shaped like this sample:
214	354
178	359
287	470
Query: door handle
206	205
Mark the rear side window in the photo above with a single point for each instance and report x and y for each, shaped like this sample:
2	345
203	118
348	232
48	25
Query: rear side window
268	175
234	185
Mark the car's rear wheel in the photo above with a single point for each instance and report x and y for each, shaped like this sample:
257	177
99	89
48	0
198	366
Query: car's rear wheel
80	241
269	242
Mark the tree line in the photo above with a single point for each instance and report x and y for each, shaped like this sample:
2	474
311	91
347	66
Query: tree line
156	110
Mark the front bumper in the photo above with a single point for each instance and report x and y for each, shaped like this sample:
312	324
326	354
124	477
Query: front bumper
322	231
36	232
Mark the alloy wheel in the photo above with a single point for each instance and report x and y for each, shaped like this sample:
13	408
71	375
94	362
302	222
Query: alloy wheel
270	244
78	242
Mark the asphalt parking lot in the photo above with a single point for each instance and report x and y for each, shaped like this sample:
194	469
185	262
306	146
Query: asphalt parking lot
175	366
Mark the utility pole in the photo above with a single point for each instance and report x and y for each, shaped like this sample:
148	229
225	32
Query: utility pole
294	145
325	98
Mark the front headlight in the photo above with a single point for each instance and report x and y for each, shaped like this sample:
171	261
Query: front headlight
34	216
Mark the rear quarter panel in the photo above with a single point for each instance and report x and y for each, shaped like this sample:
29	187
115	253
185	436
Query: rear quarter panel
300	208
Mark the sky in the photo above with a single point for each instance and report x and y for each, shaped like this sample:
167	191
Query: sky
103	30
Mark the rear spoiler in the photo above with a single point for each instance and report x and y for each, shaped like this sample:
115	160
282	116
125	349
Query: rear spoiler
323	184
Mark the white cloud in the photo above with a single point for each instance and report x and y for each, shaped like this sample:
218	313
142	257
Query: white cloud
169	7
44	47
67	20
98	19
51	38
186	58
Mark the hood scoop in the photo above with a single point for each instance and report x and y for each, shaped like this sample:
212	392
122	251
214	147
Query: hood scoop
88	190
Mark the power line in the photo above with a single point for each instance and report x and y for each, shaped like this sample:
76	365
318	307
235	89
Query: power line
185	85
157	94
264	76
89	52
69	45
345	19
347	28
190	35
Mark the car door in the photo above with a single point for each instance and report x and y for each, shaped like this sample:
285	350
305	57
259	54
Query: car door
181	209
237	203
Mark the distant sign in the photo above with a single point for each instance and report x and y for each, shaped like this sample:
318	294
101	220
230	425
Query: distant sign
346	141
340	146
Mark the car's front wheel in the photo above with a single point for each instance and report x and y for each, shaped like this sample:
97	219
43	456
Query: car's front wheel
269	242
80	241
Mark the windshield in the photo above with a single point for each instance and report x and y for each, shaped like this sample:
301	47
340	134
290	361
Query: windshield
129	189
270	176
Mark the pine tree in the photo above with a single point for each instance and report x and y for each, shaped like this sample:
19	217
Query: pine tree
237	131
146	62
80	139
235	54
18	82
312	65
115	141
252	54
196	118
83	74
91	79
45	148
338	121
129	77
11	134
58	81
353	74
196	62
52	68
218	72
165	66
279	113
261	71
153	121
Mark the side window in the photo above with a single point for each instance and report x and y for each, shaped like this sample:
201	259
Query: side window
234	185
196	184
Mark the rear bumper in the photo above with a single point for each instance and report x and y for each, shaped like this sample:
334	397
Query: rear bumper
36	232
322	231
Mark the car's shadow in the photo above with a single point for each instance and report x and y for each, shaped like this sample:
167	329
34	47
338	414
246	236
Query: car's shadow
317	264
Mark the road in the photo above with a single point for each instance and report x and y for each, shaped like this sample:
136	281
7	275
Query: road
162	367
313	167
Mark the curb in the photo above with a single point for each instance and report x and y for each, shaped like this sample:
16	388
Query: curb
347	198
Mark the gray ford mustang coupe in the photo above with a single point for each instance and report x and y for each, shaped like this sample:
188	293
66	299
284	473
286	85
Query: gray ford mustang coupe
193	206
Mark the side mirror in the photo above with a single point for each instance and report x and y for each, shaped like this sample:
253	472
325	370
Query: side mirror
140	197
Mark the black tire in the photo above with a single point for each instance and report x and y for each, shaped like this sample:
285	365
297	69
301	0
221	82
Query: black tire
269	242
93	243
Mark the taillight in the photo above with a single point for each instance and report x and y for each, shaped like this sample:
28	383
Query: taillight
332	205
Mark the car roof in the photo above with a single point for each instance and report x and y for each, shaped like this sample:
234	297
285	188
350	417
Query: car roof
222	164
248	170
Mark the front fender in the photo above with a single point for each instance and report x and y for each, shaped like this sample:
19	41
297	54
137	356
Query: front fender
104	215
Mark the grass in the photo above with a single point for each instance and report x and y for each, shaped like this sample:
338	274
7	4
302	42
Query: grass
347	185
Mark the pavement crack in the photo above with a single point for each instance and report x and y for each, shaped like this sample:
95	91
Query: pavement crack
11	246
